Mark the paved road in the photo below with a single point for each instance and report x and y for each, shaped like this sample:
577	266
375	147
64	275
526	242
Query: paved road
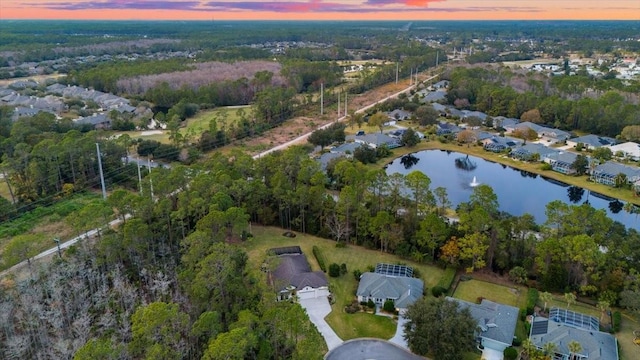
367	349
318	309
66	244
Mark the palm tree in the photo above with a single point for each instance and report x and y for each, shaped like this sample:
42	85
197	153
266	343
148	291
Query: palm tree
603	306
549	349
546	297
574	348
570	298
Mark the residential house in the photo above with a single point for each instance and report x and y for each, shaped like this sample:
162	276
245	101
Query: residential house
293	276
398	133
545	133
606	173
630	150
504	122
561	161
98	121
591	141
326	158
479	114
399	114
444	128
443	84
376	140
347	148
432	96
390	282
21	111
496	325
564	327
531	151
499	143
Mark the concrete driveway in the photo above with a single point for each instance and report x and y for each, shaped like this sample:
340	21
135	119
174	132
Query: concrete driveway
398	338
317	309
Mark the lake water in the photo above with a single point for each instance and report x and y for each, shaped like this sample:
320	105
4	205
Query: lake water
518	192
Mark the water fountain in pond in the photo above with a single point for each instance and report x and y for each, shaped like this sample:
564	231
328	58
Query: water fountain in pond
474	182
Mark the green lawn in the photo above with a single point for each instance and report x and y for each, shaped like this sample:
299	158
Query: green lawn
347	326
358	325
471	290
226	116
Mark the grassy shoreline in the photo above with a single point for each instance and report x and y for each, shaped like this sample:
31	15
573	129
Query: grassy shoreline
536	168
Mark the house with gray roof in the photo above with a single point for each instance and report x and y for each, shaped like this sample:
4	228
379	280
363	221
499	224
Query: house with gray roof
591	141
496	323
545	133
377	139
293	276
382	286
21	111
595	345
606	173
561	161
432	96
444	128
500	143
443	84
504	122
326	158
399	114
97	120
528	152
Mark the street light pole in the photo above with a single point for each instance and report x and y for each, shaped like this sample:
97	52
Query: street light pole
57	241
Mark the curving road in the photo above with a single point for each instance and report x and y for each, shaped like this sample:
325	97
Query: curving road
299	139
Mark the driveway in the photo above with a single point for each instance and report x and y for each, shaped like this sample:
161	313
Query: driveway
398	338
317	309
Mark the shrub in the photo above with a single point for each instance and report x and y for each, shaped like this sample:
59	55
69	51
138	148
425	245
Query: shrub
356	274
545	167
438	291
523	314
334	270
516	341
510	353
447	279
352	308
319	258
343	269
479	299
341	245
532	299
389	306
371	304
617	321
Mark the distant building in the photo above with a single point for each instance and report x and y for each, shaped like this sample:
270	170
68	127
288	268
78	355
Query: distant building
591	141
293	276
630	150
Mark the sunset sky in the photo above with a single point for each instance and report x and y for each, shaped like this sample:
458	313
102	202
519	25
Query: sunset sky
321	9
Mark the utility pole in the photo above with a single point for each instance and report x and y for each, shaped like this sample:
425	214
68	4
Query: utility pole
397	70
345	103
150	180
437	53
104	189
321	98
411	77
339	96
139	178
57	241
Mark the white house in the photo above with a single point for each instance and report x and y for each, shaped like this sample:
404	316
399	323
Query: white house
629	149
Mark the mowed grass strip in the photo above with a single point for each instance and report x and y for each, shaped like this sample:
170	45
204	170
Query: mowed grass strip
347	326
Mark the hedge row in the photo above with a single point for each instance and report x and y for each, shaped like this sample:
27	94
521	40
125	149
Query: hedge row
447	278
617	321
318	254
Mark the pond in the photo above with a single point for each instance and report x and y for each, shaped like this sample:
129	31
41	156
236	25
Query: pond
518	191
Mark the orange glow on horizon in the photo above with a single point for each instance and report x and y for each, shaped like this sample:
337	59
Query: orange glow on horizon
612	14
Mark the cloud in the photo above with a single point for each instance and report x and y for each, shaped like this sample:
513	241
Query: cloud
120	5
286	6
